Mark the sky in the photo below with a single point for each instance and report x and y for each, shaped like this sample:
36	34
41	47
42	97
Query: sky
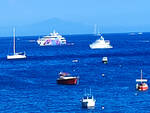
110	15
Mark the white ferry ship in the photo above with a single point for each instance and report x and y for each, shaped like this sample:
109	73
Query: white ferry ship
52	40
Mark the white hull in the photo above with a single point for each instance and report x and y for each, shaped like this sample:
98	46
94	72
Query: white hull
88	103
42	43
105	59
100	44
53	39
16	56
92	46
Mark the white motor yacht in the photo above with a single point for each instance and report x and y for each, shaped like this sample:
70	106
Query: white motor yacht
100	43
52	40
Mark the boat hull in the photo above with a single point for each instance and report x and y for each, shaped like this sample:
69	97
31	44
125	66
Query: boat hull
88	104
47	43
105	62
9	57
72	81
142	87
100	47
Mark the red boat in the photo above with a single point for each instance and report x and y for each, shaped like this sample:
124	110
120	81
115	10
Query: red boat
141	86
66	79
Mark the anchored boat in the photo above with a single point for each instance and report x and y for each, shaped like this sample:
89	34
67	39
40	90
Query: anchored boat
53	39
100	44
88	101
65	78
141	86
15	55
105	60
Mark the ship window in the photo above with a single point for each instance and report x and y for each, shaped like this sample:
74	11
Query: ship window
85	97
90	97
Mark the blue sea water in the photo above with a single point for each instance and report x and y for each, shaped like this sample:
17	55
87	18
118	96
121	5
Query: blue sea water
29	85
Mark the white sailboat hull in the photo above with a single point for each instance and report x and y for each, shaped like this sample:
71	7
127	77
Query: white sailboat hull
16	56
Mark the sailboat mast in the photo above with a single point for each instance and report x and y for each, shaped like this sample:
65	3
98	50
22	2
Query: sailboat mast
95	31
14	41
141	75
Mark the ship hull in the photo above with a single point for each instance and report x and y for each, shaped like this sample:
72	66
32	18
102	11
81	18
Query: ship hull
72	81
48	43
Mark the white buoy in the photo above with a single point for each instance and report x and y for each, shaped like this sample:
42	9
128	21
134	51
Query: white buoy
102	107
136	94
103	75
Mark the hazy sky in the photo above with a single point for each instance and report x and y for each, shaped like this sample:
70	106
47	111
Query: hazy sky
102	12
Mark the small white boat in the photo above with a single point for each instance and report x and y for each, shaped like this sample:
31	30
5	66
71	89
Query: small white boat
105	60
20	55
140	33
75	60
53	39
88	101
100	44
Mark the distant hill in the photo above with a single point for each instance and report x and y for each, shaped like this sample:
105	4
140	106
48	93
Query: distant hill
47	26
66	28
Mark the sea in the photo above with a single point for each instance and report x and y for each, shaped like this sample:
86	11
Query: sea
29	85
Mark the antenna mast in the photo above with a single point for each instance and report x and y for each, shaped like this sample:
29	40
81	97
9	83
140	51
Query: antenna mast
14	40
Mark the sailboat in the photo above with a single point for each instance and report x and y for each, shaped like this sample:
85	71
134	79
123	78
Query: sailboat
142	86
15	55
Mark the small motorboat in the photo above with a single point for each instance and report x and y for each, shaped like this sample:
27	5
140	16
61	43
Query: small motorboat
142	86
65	78
105	60
88	101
